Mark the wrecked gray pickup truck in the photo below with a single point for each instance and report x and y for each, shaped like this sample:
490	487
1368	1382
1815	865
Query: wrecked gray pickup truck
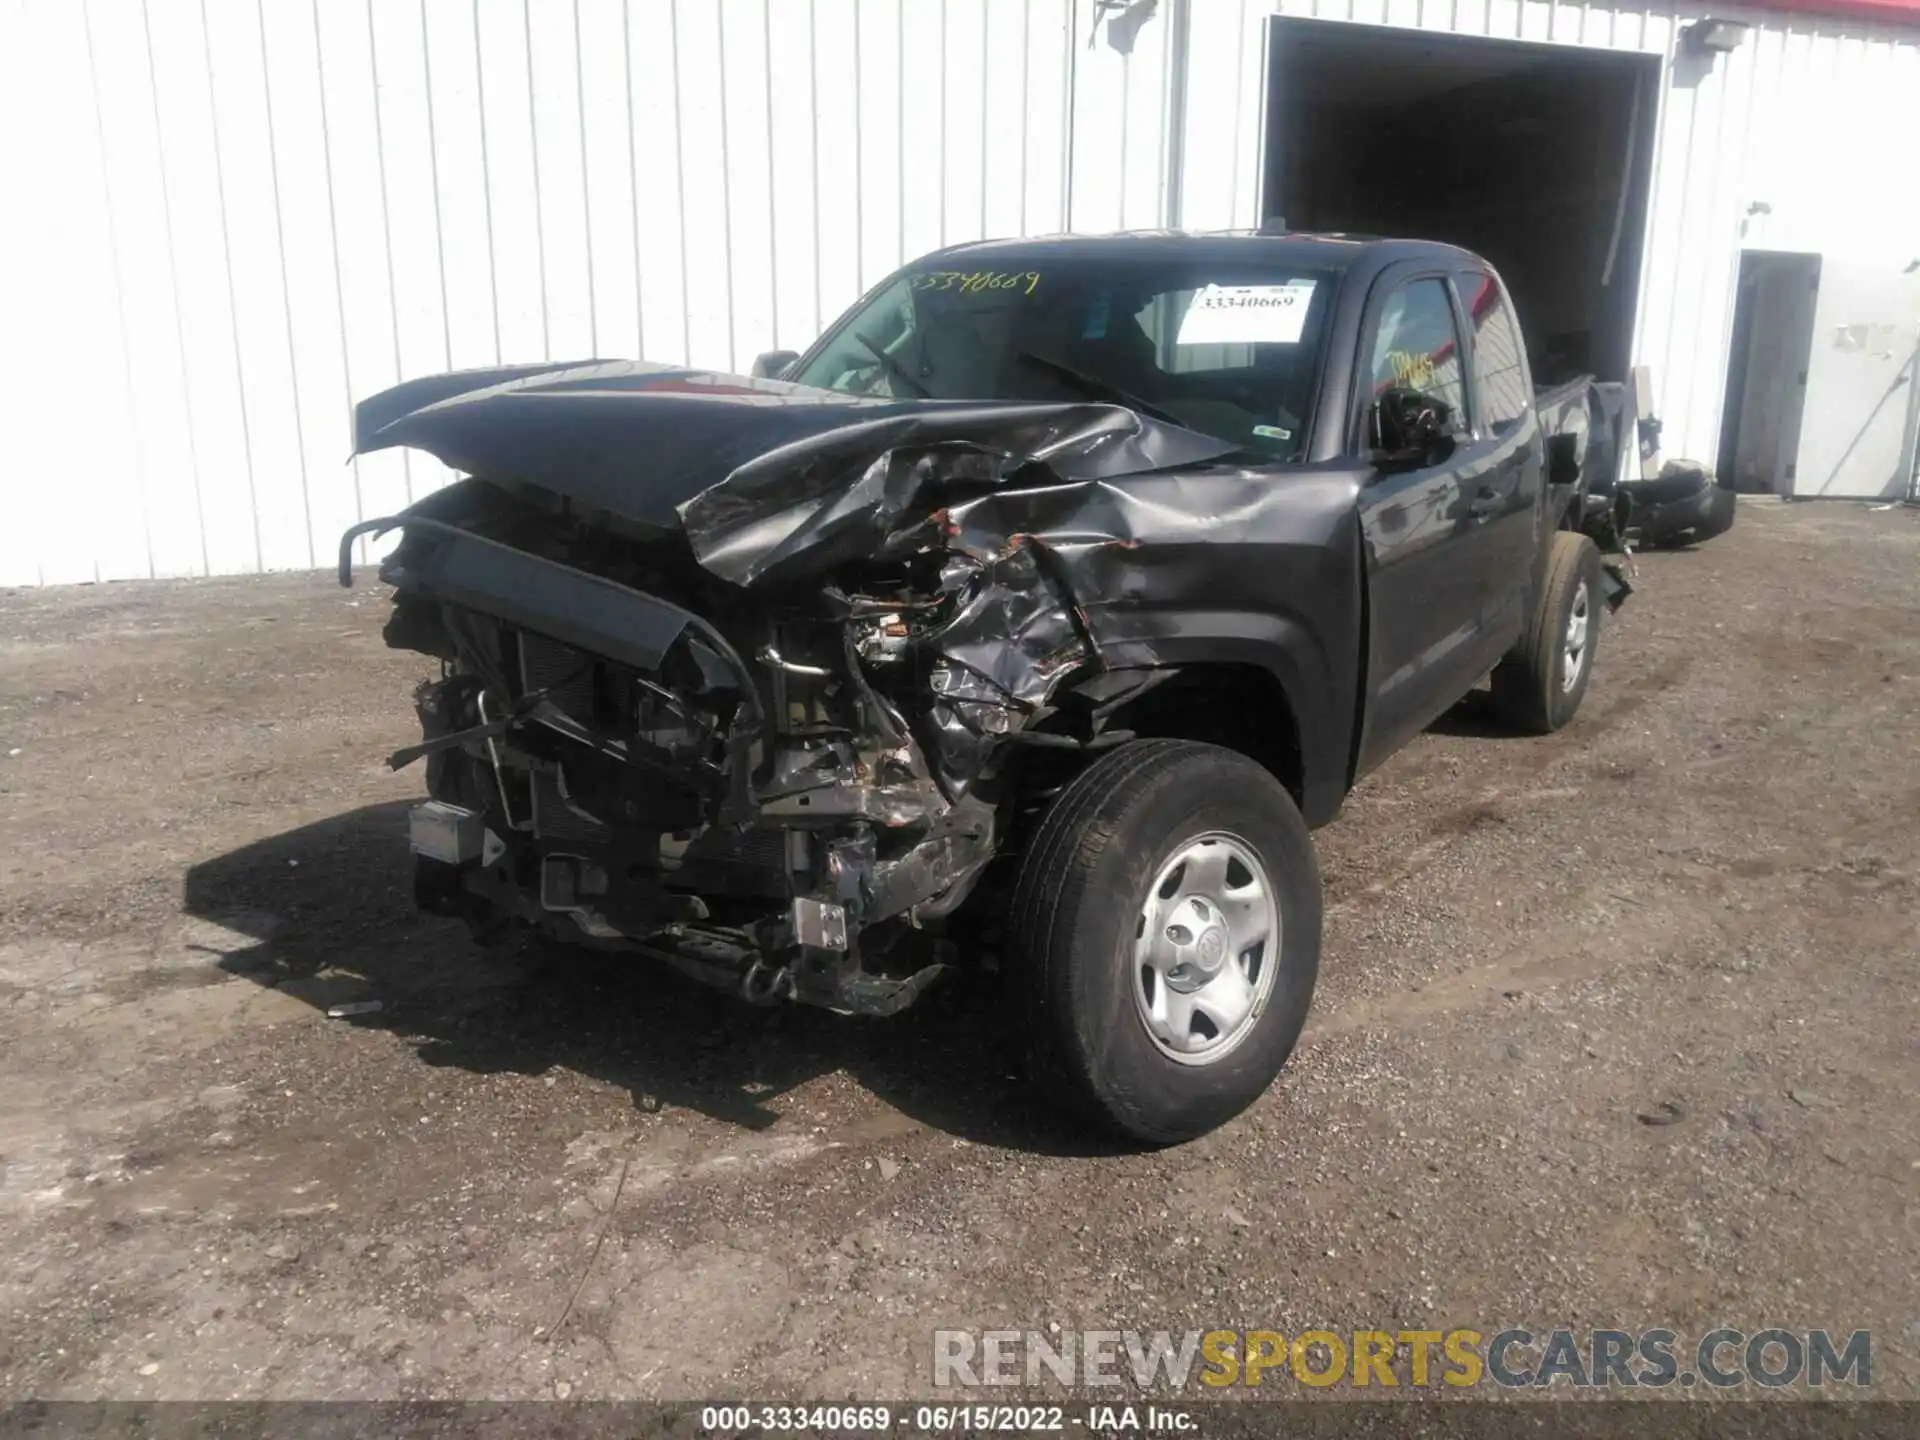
1057	591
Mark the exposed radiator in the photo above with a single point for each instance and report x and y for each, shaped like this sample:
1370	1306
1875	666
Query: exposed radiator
554	819
566	674
722	861
564	671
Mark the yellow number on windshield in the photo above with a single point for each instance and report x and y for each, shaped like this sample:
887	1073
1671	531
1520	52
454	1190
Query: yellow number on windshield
976	282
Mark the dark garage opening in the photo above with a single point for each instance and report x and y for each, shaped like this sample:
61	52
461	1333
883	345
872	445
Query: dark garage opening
1537	156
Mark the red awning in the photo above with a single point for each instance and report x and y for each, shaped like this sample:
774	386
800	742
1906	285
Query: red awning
1898	11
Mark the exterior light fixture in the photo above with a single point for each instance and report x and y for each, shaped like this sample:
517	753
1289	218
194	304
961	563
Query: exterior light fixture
1712	36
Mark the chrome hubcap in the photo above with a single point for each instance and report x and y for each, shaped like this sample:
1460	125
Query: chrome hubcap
1205	949
1579	623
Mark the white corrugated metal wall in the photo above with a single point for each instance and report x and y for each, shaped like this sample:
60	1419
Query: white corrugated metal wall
241	213
229	217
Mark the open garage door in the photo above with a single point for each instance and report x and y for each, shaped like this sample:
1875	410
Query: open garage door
1537	156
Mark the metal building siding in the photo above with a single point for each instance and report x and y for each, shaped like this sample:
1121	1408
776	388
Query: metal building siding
242	215
230	219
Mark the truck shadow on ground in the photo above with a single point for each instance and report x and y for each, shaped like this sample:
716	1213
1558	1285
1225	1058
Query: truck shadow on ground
1473	717
330	910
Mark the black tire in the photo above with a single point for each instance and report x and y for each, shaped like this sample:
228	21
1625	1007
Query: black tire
1077	910
1532	690
1716	518
1670	540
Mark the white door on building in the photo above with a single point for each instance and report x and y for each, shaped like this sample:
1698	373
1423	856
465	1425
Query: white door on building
1857	433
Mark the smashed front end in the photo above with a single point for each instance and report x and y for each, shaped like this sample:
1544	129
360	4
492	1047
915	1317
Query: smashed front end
747	705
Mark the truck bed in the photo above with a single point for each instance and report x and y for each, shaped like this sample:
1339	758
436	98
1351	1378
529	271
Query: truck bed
1585	421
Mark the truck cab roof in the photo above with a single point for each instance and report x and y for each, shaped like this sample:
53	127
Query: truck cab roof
1318	251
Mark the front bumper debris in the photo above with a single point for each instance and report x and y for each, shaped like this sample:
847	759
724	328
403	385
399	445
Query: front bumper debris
808	953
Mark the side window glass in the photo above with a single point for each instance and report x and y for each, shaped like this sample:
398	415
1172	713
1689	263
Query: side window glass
1417	348
1499	360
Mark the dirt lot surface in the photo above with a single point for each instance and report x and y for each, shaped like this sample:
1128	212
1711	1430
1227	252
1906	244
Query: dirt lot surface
1615	1028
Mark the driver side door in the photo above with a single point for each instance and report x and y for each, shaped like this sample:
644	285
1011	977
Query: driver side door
1418	525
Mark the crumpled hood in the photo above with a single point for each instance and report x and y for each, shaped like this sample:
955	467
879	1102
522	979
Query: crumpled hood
764	476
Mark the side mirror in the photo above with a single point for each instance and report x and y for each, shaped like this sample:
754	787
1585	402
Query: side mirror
1410	429
772	364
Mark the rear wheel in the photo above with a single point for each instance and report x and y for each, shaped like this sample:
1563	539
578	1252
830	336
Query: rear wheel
1540	684
1167	922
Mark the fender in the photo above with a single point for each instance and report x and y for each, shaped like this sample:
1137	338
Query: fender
1284	598
1314	671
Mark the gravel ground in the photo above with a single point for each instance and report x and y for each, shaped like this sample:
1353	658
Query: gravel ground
1615	1028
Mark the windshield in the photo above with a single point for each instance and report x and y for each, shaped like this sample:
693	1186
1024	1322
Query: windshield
1229	350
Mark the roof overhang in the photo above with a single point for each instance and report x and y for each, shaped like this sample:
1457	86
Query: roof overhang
1895	11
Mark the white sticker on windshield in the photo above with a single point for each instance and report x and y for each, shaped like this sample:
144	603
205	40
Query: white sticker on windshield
1247	314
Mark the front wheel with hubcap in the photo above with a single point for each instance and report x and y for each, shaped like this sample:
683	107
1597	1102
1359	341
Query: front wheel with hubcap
1168	920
